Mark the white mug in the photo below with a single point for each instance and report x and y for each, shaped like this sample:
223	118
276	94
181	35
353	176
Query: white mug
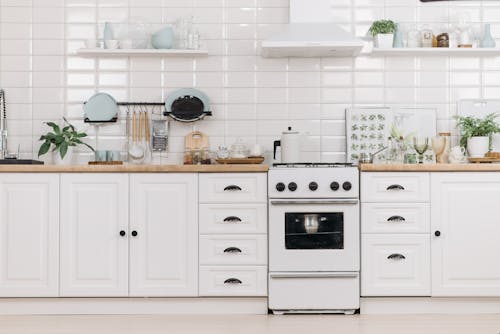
457	154
256	151
495	142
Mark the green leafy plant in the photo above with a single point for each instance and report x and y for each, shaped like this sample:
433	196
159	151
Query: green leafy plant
61	139
382	27
477	127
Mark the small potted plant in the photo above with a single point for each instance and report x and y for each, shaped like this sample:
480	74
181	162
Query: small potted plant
383	33
476	133
62	141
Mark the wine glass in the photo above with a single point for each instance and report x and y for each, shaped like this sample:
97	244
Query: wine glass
421	145
438	146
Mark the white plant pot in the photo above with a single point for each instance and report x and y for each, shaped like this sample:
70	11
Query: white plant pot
384	41
496	142
68	158
477	147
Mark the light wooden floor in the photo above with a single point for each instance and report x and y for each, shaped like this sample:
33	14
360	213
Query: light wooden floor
488	324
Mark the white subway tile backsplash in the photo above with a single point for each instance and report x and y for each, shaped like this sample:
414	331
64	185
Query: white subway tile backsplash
253	98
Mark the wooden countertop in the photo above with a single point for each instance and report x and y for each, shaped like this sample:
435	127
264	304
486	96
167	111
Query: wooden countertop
430	168
135	169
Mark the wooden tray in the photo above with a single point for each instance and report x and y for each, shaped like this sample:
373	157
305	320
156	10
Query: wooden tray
485	160
244	161
495	155
105	163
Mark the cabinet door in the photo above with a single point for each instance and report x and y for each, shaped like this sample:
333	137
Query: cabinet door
164	253
94	256
465	255
29	235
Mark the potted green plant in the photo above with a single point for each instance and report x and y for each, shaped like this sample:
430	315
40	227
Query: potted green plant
383	33
476	133
62	142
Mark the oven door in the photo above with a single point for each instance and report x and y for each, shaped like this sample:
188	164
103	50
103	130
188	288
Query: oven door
314	235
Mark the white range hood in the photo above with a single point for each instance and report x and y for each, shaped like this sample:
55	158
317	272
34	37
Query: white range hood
311	33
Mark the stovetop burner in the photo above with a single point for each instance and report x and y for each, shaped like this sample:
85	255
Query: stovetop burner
313	165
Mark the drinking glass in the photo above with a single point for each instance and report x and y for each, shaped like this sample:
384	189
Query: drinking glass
421	145
438	146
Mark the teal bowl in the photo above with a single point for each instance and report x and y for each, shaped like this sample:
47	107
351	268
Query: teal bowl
163	39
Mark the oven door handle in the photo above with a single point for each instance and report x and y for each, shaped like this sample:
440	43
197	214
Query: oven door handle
313	275
314	202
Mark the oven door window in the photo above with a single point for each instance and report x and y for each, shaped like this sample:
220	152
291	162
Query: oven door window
314	230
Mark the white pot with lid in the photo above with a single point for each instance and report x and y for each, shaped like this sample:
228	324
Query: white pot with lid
290	146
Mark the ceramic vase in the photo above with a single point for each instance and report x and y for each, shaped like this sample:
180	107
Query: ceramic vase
488	41
163	39
398	37
108	34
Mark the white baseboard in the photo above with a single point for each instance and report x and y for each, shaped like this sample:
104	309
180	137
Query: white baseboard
417	305
136	306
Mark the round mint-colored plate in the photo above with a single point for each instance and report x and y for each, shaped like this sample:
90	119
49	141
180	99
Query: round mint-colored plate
101	107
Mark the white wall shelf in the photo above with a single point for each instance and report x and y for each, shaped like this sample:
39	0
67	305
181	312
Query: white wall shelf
141	53
430	52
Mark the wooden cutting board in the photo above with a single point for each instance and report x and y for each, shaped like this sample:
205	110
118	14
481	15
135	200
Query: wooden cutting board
196	140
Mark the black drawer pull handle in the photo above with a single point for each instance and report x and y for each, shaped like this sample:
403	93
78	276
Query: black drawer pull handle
396	219
233	281
233	188
232	219
395	187
232	250
396	257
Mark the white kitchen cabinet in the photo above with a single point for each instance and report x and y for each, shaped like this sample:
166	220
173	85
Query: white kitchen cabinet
94	256
164	252
29	235
396	265
466	233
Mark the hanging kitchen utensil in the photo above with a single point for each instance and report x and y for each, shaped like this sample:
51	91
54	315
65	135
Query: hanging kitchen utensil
136	151
187	105
101	107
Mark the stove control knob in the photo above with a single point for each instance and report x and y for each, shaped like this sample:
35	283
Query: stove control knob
313	186
335	186
292	186
347	186
280	187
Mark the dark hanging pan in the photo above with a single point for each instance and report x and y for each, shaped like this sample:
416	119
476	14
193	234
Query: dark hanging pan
187	105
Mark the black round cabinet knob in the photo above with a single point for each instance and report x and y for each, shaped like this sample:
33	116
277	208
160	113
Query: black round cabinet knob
335	186
347	186
437	233
134	233
292	186
313	186
123	233
280	187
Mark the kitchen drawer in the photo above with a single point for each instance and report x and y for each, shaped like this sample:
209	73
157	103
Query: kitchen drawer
395	265
233	218
233	281
395	218
233	188
314	291
395	187
233	250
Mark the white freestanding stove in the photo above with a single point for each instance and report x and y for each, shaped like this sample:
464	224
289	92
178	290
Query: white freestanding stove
314	238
